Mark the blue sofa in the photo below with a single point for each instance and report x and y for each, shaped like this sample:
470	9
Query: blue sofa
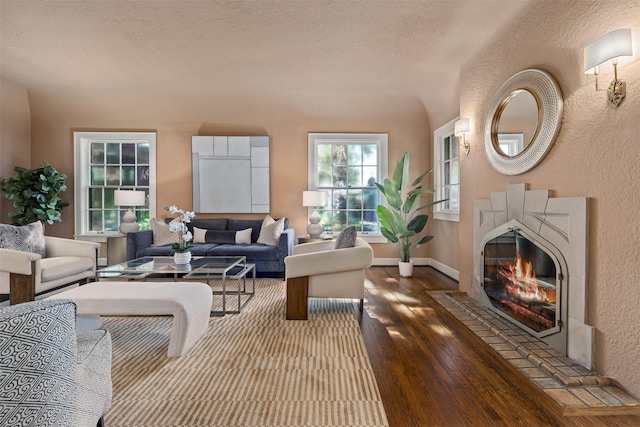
269	260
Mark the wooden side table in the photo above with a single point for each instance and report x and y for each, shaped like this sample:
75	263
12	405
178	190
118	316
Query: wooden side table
116	249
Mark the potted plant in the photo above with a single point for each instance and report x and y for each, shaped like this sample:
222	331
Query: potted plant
34	192
399	222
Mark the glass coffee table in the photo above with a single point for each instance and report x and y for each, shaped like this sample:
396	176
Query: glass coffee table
203	268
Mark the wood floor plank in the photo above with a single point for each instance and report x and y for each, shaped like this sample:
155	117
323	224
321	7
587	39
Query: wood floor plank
433	371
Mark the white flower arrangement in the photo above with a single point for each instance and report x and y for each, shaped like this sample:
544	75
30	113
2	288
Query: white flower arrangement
180	227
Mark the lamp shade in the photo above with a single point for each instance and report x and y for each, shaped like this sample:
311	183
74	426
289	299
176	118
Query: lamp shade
462	126
616	43
128	198
314	198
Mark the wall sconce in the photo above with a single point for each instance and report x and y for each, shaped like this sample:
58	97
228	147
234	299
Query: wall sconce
609	47
461	129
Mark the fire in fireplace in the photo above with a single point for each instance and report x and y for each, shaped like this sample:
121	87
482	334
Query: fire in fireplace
522	282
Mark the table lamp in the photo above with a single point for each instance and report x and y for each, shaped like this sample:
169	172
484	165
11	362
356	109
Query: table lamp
129	198
314	199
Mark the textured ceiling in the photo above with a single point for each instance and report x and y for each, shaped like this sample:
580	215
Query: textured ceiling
299	51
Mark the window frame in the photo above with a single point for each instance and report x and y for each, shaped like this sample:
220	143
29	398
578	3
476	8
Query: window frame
439	135
379	139
82	142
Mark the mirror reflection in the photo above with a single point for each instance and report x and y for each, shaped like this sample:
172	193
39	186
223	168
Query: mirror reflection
515	125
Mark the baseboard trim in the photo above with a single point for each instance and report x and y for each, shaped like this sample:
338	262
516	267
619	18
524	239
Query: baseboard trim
442	268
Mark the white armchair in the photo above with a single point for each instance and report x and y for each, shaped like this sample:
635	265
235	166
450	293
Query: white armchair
316	270
23	275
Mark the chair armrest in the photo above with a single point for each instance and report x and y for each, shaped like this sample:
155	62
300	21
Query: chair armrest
18	262
327	262
57	246
305	248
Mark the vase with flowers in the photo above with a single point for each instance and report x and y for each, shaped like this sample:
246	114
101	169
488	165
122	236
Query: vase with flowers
181	255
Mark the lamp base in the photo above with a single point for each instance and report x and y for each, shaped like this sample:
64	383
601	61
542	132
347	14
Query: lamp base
128	223
314	230
128	227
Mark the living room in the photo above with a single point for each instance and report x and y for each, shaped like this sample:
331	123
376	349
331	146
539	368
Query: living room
594	155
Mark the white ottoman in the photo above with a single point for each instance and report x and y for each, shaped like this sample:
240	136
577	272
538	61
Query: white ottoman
188	302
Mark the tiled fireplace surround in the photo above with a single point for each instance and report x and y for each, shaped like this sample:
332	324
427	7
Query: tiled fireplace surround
563	223
565	377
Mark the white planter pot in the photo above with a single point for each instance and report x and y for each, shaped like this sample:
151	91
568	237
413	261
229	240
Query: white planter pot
181	258
406	268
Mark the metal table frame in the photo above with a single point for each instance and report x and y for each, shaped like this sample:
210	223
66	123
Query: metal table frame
202	268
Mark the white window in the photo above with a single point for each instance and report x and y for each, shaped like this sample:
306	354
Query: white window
446	172
108	161
347	165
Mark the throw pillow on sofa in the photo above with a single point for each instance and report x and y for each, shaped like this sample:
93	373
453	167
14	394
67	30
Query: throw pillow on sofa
162	235
346	238
270	231
25	238
202	235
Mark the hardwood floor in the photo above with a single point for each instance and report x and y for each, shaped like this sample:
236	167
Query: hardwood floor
433	371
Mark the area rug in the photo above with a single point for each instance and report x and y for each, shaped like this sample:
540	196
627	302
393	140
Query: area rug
250	369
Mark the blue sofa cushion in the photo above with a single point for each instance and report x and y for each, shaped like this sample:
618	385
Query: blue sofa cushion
253	252
196	250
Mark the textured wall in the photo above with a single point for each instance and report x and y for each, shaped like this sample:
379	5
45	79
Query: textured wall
596	155
176	118
15	135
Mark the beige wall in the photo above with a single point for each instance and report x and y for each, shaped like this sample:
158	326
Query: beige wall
15	135
176	119
596	155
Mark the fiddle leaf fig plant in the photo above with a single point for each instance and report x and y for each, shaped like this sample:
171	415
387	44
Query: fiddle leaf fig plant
34	192
399	221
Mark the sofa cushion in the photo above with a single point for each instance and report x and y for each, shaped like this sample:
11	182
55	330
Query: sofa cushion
243	224
63	266
196	249
26	238
162	235
253	252
270	231
346	238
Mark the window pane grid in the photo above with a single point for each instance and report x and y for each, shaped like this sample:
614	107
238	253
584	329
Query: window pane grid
116	165
447	164
347	171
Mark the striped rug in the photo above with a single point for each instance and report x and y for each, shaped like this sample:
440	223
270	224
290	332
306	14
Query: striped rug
250	369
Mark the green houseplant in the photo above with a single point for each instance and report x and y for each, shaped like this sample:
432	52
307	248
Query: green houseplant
34	192
399	221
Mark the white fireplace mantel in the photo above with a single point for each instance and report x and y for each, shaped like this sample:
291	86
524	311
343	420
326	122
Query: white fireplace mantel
563	223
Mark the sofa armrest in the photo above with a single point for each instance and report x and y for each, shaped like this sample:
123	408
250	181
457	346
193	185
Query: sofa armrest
137	241
288	238
327	262
18	262
57	246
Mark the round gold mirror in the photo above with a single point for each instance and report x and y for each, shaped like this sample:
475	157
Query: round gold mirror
523	121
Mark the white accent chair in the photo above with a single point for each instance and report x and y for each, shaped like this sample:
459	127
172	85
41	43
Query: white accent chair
316	270
23	275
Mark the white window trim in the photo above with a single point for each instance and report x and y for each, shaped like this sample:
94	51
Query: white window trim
438	135
81	143
381	139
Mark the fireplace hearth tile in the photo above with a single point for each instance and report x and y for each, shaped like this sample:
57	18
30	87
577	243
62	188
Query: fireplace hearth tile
575	388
